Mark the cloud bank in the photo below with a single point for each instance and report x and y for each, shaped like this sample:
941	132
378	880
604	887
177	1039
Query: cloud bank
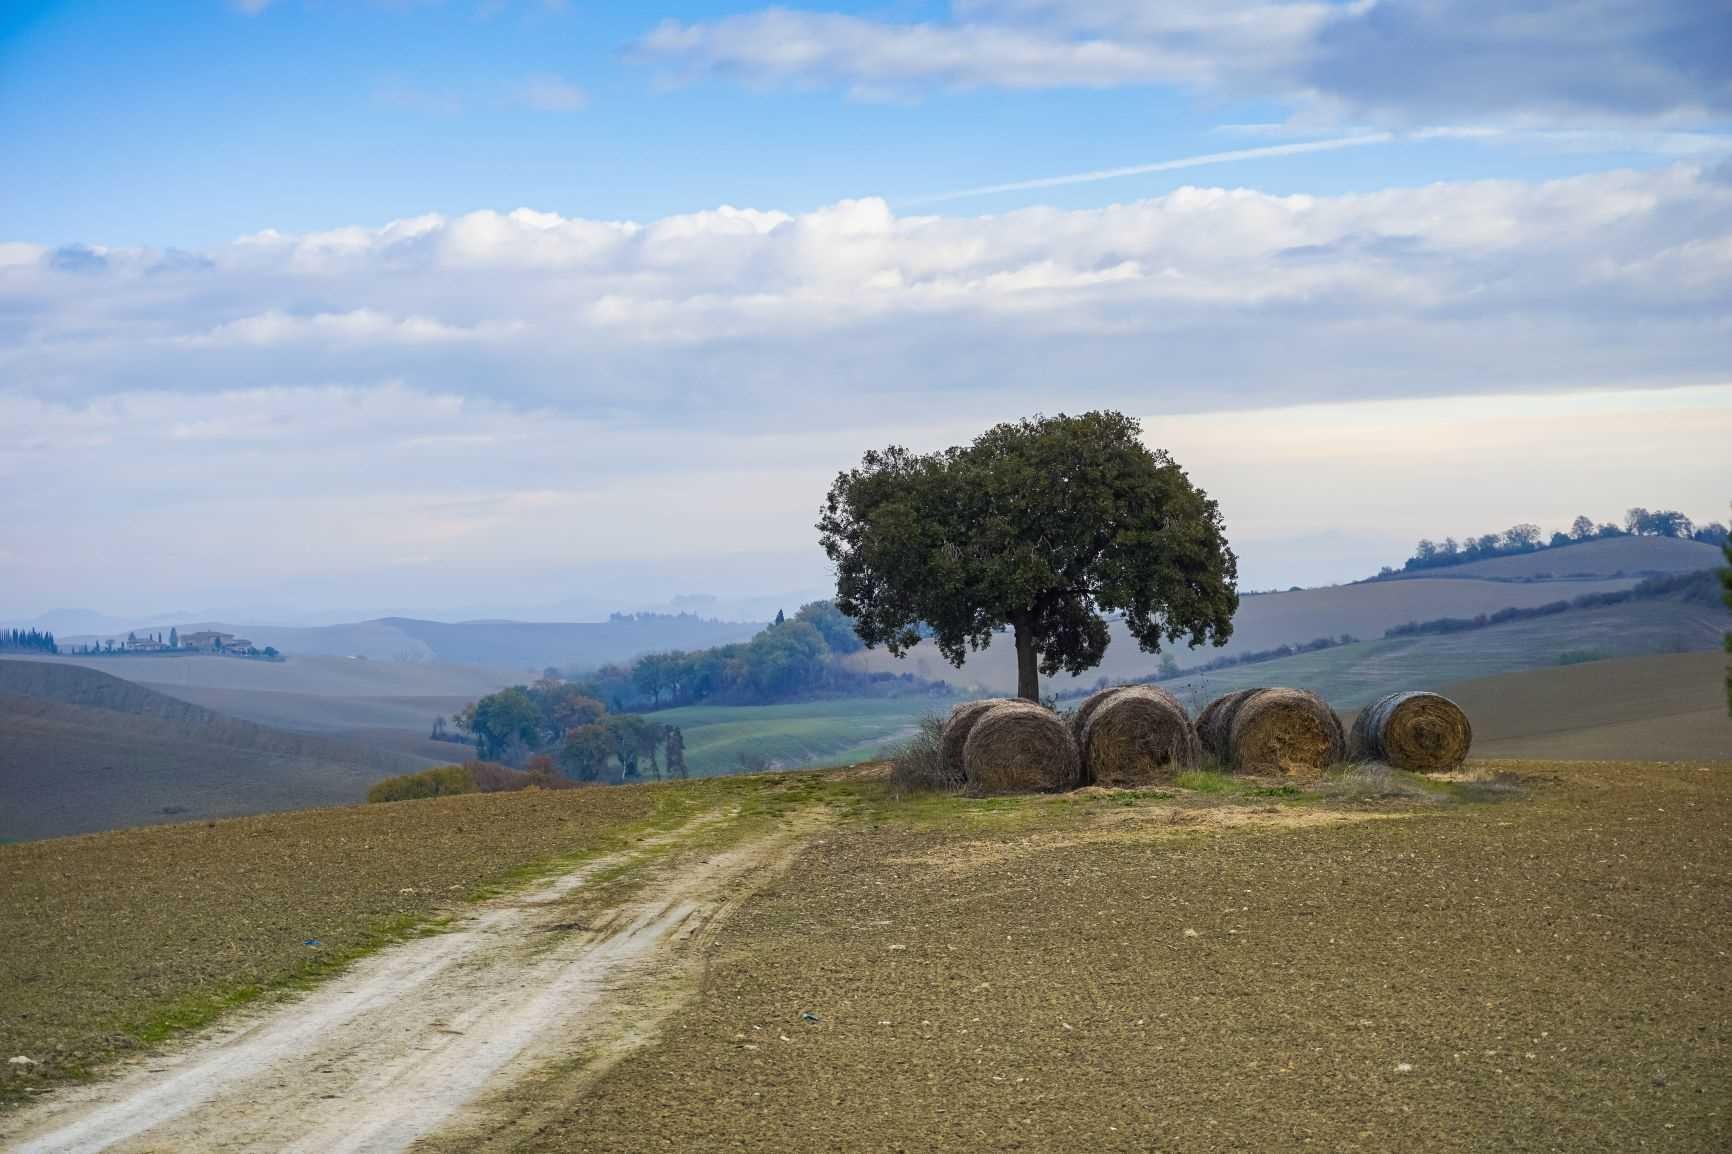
1389	61
500	400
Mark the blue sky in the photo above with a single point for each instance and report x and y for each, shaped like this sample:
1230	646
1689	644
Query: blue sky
190	122
511	304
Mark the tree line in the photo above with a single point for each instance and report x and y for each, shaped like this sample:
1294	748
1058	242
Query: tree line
1530	538
554	726
27	641
1696	587
791	659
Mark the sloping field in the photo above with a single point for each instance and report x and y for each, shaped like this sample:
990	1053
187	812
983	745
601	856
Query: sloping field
84	751
808	733
1527	964
1352	675
313	676
1670	707
1615	556
1264	622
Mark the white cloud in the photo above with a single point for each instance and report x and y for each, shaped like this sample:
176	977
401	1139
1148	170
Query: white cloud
360	326
1400	62
549	93
853	310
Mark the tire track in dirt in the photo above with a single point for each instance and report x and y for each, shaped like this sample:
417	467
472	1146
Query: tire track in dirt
400	1045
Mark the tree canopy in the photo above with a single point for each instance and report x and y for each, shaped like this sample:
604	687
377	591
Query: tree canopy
1039	526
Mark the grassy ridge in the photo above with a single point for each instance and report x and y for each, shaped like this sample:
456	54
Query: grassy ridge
807	733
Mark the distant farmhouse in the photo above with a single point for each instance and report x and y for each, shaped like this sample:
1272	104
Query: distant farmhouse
213	642
198	641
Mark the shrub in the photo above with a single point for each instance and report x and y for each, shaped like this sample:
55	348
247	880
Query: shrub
438	782
919	764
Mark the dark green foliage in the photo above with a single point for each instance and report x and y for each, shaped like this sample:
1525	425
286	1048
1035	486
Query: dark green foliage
27	641
584	754
1726	593
789	660
1529	538
836	626
1040	527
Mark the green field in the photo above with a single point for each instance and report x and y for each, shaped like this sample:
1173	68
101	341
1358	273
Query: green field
834	732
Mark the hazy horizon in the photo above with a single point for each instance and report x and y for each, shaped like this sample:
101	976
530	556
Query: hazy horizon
511	309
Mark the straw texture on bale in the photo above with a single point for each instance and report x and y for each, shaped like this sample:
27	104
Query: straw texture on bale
1286	731
1421	732
1020	747
1215	724
1140	736
955	735
1080	719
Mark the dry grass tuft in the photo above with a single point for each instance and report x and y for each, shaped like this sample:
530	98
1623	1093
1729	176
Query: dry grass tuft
919	764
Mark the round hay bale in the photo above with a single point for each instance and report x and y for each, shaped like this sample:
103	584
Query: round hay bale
1140	736
1215	724
1417	731
1286	731
1080	719
955	735
1020	747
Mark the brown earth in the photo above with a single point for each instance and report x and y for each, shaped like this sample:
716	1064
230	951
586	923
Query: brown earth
1541	974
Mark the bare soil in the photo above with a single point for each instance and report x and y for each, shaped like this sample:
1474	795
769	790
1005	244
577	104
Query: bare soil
1552	973
403	1043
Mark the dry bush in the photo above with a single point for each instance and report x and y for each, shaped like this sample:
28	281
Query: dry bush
1421	732
955	735
1290	732
441	781
1020	747
470	777
1139	736
919	764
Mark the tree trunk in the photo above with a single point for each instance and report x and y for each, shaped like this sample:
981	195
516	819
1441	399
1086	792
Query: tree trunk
1027	658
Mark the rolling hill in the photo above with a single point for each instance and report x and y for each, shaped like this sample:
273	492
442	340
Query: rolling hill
86	751
518	646
1612	557
1264	621
1352	675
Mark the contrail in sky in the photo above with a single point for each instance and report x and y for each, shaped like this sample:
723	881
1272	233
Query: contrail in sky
1207	158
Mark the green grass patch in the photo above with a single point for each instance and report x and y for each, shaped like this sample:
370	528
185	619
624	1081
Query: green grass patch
724	739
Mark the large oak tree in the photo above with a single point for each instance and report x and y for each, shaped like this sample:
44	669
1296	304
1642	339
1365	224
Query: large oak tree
1042	527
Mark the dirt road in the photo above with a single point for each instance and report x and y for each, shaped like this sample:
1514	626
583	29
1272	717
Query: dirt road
414	1038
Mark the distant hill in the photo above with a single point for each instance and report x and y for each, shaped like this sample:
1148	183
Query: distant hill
1611	557
86	751
511	645
1352	675
1264	622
